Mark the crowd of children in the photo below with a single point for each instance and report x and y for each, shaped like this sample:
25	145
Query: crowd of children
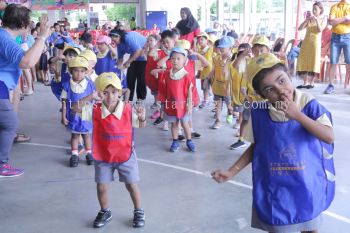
96	110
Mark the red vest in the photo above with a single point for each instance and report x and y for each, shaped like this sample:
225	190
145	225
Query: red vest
190	68
161	77
151	81
112	138
175	98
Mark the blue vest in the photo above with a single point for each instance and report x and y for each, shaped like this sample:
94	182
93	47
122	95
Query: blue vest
56	87
4	92
293	171
75	122
106	64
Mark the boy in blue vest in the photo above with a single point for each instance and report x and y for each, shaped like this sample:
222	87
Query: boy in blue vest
291	152
113	145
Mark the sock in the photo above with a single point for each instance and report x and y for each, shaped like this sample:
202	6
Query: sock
192	130
75	152
188	140
175	140
104	209
241	138
88	151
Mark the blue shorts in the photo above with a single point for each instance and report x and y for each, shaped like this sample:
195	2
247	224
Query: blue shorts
128	171
340	42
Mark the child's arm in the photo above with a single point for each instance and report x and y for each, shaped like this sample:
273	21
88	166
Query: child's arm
189	103
155	72
322	132
221	176
77	107
201	58
113	52
64	120
162	62
126	94
141	115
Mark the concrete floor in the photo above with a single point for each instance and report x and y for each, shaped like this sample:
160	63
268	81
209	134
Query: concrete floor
178	195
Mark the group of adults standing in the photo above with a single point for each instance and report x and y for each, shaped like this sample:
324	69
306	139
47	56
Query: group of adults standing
309	60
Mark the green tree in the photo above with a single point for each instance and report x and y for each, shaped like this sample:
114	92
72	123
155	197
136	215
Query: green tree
237	7
261	6
121	11
213	8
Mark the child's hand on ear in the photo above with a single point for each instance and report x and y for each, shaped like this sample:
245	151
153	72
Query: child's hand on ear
97	96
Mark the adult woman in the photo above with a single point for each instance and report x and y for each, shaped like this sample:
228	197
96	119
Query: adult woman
309	60
188	25
12	60
132	43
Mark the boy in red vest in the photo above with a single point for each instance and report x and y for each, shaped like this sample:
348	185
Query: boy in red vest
113	145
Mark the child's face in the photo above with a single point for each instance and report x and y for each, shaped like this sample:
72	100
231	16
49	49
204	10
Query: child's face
257	50
277	86
168	43
151	42
111	96
102	47
68	57
78	73
178	60
202	41
225	51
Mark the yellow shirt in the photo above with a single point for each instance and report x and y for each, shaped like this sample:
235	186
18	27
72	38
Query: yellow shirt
340	10
220	82
208	54
301	99
237	78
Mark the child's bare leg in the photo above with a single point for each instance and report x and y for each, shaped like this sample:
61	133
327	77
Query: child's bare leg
87	142
135	194
218	110
74	143
102	195
187	130
175	130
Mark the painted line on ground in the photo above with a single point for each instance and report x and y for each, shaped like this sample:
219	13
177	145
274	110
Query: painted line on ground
206	174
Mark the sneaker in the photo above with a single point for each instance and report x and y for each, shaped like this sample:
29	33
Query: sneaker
89	159
236	126
74	161
6	170
155	115
214	109
237	134
237	145
158	121
154	106
139	218
216	125
174	146
301	86
229	119
330	89
103	217
195	135
166	126
181	138
190	145
204	104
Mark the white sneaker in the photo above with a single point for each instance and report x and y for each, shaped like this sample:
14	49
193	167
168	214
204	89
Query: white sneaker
236	126
216	125
237	133
166	126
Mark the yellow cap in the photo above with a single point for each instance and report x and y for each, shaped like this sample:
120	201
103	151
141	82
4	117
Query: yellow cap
265	60
106	79
213	38
89	55
185	44
78	61
203	34
262	40
72	48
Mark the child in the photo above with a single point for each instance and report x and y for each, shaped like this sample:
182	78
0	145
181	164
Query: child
113	146
260	46
292	139
78	87
92	59
152	58
220	84
106	56
177	98
207	51
43	69
61	72
236	70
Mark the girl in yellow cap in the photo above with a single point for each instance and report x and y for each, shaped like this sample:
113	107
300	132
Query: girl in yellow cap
291	149
78	87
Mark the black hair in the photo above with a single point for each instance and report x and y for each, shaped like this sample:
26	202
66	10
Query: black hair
256	83
241	48
176	31
33	30
50	60
117	31
86	37
167	33
216	43
16	17
70	52
56	24
37	24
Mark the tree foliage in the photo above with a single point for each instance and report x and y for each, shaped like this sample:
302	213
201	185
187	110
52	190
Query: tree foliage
121	11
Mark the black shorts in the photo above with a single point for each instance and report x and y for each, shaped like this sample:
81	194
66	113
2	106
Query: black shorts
60	46
43	62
